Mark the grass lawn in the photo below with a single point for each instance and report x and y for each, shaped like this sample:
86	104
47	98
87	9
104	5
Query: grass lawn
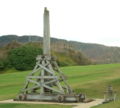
31	106
109	105
92	80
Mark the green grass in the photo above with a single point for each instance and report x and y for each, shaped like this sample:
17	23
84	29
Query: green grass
109	105
31	106
91	80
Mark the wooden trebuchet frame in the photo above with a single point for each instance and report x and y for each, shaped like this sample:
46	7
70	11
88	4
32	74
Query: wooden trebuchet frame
46	78
46	82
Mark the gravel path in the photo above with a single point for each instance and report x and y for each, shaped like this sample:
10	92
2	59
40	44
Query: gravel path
90	104
75	105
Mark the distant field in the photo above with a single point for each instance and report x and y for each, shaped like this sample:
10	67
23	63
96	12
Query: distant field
91	80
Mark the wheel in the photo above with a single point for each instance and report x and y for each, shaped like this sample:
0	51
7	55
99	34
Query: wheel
22	97
60	98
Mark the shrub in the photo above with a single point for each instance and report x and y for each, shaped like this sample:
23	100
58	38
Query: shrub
2	66
24	57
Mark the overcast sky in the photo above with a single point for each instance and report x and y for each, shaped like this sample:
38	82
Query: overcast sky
94	21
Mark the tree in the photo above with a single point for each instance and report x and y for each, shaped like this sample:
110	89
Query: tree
24	57
2	66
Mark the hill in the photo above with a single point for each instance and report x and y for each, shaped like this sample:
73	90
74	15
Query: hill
23	56
92	80
96	52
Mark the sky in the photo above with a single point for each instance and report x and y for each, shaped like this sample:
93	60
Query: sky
90	21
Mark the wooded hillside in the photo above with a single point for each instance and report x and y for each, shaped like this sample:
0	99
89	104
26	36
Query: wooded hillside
96	52
23	56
